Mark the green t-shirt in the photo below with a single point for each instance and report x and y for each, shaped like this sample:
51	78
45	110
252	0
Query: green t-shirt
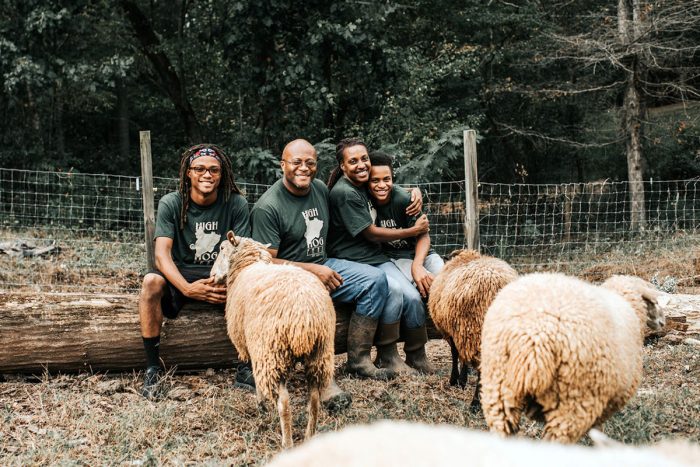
295	226
351	213
393	216
196	246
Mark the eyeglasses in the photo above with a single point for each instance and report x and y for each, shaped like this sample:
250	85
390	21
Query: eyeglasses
296	163
200	169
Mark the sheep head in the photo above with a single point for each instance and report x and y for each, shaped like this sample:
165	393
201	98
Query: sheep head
647	301
235	253
460	257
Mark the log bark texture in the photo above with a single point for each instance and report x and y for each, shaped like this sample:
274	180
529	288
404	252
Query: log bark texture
78	332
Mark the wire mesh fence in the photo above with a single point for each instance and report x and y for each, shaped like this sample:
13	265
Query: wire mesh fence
65	231
573	227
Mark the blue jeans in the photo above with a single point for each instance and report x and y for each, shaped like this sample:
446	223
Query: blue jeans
433	263
364	286
412	308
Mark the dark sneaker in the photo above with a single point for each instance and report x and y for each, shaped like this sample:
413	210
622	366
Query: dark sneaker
244	378
152	383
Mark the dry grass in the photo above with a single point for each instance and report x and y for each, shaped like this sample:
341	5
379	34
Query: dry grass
92	419
101	419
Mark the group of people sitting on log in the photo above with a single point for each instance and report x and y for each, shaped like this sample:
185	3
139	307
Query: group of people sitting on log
362	236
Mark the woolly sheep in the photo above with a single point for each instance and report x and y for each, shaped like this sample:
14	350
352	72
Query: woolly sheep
403	444
277	315
564	350
459	298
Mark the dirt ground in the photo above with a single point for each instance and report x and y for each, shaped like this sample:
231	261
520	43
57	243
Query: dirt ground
90	419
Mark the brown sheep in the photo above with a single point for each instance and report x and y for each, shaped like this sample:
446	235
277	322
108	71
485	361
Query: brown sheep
277	315
459	298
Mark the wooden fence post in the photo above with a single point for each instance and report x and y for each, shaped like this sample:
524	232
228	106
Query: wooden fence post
471	192
149	218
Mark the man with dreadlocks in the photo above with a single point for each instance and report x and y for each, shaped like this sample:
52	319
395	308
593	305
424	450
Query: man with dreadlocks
191	224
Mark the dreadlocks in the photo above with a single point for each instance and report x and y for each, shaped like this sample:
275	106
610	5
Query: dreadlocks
226	186
339	150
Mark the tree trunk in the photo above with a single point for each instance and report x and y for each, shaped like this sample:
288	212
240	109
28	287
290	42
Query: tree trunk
169	80
74	332
629	19
633	127
58	120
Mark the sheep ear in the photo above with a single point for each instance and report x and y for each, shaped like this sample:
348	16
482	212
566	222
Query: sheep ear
655	300
267	245
232	238
601	440
454	253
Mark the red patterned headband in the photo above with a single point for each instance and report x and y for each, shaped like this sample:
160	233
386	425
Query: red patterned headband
204	152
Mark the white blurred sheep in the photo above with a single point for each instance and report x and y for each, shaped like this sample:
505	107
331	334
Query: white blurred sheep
403	444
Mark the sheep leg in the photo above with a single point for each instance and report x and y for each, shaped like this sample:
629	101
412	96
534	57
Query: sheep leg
476	400
454	375
463	375
570	420
285	413
312	411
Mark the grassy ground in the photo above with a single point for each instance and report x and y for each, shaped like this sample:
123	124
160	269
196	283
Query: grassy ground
101	419
91	419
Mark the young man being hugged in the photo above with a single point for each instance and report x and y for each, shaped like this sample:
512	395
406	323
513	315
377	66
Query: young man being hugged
415	263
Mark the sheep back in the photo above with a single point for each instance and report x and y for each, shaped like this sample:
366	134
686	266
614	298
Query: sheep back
563	347
460	296
276	314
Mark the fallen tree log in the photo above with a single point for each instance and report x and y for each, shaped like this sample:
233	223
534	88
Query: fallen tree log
68	332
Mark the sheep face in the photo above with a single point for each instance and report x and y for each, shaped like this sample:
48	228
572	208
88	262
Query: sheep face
219	270
655	314
229	250
634	288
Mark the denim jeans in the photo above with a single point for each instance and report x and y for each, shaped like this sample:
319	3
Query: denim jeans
412	308
433	263
364	286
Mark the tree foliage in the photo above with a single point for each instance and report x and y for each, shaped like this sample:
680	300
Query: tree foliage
541	82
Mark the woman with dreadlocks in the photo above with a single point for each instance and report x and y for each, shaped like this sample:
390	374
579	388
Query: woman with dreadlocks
190	225
353	236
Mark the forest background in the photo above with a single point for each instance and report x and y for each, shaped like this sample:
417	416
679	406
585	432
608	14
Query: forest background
558	91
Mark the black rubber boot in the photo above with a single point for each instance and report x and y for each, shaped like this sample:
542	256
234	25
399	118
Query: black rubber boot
387	353
335	399
415	350
360	336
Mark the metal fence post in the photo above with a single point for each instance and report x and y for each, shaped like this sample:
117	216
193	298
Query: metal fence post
149	218
471	192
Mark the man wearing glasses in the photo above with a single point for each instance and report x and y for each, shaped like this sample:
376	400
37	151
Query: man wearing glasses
190	225
293	217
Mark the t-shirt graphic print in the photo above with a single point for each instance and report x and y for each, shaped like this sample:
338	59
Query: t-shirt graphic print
314	226
204	247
